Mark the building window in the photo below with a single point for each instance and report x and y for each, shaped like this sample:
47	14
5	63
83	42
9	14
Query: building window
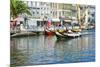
59	13
31	3
41	13
37	12
33	12
56	13
38	3
44	8
35	3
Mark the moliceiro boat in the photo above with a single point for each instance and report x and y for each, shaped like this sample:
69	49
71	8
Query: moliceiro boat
49	32
67	35
76	34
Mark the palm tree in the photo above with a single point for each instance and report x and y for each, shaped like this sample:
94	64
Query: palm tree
18	7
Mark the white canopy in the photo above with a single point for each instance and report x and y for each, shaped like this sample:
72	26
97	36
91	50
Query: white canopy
56	20
68	20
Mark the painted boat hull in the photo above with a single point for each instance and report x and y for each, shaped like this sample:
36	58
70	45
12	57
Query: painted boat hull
67	35
48	32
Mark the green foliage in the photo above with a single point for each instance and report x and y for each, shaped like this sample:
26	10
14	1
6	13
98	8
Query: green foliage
18	7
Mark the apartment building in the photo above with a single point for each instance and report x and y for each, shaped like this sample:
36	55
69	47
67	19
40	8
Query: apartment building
38	9
51	10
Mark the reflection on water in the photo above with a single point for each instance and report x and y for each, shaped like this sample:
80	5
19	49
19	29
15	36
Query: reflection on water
48	50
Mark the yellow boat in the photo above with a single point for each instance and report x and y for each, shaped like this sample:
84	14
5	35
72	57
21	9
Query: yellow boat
76	30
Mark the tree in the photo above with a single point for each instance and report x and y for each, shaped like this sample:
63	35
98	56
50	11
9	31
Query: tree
18	7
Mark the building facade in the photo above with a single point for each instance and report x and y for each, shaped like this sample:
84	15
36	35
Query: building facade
51	10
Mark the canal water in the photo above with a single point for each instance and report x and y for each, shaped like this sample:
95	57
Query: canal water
41	49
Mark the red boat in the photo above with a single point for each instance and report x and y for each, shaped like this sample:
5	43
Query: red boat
49	32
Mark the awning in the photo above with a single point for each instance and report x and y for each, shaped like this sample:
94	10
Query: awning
19	19
56	20
68	20
36	19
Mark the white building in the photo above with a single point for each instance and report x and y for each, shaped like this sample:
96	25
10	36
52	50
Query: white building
38	9
51	10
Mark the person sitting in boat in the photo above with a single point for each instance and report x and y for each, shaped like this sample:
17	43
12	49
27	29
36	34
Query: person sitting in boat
61	28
